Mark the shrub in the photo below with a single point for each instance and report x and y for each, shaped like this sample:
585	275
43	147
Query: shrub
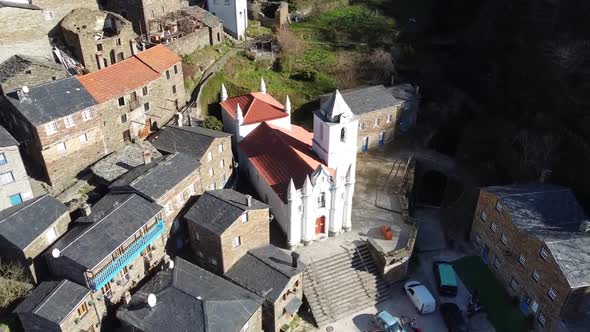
14	283
212	122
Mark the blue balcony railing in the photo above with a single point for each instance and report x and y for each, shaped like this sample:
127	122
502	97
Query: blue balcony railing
114	267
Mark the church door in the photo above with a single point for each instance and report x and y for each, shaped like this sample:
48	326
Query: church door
320	225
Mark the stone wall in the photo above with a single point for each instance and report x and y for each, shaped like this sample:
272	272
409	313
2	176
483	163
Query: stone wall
213	174
164	103
33	75
89	321
190	42
503	260
280	317
205	246
372	130
25	31
140	12
255	322
21	183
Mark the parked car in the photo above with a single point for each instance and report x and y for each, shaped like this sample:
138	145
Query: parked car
386	322
420	297
453	317
446	278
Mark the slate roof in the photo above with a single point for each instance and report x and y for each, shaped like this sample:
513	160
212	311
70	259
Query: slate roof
6	139
265	271
206	17
20	225
53	300
155	179
369	99
114	219
122	161
405	92
53	100
279	154
7	3
192	140
256	107
217	210
552	214
19	62
197	300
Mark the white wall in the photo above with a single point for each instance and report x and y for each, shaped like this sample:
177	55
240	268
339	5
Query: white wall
234	15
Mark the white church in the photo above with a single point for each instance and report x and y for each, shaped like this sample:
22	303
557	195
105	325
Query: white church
306	178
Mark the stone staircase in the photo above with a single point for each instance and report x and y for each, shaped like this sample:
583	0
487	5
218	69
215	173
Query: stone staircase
343	284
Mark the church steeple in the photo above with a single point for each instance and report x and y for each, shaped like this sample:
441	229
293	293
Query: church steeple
223	93
262	85
239	115
287	105
335	107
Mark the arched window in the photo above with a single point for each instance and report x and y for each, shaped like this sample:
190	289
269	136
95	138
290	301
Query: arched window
343	135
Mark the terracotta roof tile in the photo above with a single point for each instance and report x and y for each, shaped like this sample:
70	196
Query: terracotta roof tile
280	154
159	58
257	107
129	74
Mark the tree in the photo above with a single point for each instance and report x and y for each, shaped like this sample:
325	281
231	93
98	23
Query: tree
14	283
291	49
381	66
212	122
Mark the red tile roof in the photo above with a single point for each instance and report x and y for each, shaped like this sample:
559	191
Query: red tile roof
280	154
256	107
129	74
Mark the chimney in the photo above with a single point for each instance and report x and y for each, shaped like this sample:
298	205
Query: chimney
23	93
147	157
179	119
294	259
85	209
248	200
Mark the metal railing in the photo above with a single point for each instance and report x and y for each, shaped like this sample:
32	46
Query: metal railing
114	267
134	103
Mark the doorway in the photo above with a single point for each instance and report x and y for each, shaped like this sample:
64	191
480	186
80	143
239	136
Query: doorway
320	225
365	146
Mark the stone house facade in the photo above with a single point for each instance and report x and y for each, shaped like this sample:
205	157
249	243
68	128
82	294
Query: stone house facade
98	39
22	70
112	249
141	12
529	235
26	26
276	276
28	229
61	306
223	225
15	187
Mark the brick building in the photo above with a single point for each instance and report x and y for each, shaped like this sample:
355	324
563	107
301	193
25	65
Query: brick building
212	148
15	187
223	225
113	248
98	39
26	26
28	229
61	306
59	128
22	70
170	181
189	298
276	276
536	240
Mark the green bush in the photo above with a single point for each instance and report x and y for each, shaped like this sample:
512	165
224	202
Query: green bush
212	122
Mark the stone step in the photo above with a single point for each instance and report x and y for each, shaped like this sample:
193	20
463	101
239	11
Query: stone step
341	282
343	263
325	261
332	261
367	290
341	271
323	320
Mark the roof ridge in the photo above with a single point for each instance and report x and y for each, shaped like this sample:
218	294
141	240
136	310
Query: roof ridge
265	263
226	201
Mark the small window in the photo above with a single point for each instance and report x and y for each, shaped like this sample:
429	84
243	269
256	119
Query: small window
180	198
200	254
484	216
70	121
163	10
211	172
61	147
196	236
28	72
497	263
245	217
478	239
99	47
237	241
6	178
82	310
175	69
504	238
376	122
543	253
541	319
118	41
552	293
499	206
209	156
227	3
322	200
87	115
121	101
51	235
51	128
48	14
83	138
362	126
3	160
123	118
153	14
536	276
220	147
191	189
146	107
389	116
222	163
513	284
167	74
213	261
168	209
145	90
493	227
521	259
174	89
106	290
343	135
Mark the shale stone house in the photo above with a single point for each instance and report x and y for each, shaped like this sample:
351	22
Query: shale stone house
14	181
536	240
22	70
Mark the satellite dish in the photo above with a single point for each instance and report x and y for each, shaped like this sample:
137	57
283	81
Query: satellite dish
151	300
171	265
25	89
55	253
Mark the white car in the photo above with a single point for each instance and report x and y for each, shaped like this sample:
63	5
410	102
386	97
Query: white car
420	297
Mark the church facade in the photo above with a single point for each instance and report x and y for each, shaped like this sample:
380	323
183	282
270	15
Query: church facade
306	178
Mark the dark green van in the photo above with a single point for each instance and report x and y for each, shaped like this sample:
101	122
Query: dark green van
446	278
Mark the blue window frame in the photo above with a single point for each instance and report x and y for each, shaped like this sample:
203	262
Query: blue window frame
3	160
16	199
